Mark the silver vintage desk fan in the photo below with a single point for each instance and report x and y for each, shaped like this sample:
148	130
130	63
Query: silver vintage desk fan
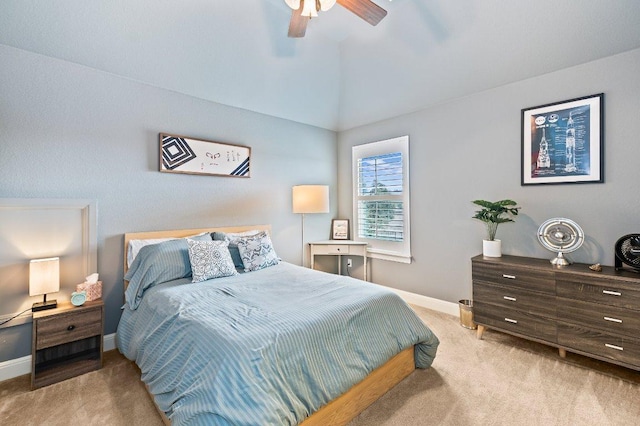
560	235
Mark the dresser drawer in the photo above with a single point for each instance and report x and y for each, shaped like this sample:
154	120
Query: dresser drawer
591	341
331	249
604	317
514	321
542	304
598	290
68	327
515	276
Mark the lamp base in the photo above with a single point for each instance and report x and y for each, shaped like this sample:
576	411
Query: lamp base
42	306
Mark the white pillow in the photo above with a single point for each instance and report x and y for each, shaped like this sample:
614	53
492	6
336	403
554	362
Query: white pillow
135	245
210	259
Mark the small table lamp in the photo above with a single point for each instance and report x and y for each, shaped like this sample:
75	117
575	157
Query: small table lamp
310	199
44	277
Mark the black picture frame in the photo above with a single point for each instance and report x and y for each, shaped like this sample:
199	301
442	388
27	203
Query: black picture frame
340	229
563	142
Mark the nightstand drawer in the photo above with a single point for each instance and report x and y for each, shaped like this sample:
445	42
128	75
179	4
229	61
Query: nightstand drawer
68	327
331	249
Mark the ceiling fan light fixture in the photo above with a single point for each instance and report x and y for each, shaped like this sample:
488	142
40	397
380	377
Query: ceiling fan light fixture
310	8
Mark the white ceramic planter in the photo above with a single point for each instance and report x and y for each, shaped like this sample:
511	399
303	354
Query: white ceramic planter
492	248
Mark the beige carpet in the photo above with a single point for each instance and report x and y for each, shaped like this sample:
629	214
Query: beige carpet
500	380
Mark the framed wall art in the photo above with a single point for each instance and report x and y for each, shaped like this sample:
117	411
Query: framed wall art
340	229
179	154
563	142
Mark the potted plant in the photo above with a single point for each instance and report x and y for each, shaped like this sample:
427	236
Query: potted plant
492	214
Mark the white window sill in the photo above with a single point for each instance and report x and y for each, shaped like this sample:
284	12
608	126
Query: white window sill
388	255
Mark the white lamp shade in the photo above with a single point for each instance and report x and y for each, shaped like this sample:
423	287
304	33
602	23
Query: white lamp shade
310	199
44	276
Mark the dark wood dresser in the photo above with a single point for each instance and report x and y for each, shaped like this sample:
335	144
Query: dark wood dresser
573	308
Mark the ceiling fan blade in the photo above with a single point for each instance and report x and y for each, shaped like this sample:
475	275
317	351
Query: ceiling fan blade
298	23
366	9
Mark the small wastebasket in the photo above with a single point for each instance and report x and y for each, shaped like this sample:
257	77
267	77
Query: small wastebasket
466	314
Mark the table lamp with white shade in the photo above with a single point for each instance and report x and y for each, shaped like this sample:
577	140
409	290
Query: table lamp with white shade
44	277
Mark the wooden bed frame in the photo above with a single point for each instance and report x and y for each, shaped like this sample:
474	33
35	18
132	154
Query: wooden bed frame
345	407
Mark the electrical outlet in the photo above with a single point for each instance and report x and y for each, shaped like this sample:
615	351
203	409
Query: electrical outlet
349	263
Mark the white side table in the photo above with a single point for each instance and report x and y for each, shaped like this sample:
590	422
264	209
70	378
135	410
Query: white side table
339	248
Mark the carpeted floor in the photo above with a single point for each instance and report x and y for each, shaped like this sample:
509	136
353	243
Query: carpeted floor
500	380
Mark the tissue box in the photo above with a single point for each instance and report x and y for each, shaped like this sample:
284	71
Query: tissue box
93	290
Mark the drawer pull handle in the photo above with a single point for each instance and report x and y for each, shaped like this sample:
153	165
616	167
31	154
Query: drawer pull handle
71	328
612	293
618	348
513	299
512	321
613	319
509	277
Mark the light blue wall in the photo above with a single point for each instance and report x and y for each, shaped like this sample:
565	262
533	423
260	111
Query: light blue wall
68	131
469	148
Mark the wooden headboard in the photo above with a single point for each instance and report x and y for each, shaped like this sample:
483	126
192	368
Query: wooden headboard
181	233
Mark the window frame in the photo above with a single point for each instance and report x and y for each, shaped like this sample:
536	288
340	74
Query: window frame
378	248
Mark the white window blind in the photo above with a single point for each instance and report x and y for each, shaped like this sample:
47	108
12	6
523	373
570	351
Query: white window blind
381	198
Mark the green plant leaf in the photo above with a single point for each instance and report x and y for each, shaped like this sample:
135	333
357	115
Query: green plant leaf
494	213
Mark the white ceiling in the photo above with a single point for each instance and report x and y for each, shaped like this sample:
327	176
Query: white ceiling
344	73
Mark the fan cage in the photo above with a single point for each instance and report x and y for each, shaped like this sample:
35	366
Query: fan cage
625	248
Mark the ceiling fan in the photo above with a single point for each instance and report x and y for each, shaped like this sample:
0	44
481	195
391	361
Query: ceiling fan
303	10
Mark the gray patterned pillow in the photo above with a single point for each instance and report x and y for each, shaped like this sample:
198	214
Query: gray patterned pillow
232	238
210	259
257	252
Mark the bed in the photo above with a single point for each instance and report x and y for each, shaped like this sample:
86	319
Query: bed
276	345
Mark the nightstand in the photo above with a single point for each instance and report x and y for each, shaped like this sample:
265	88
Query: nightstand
340	248
66	342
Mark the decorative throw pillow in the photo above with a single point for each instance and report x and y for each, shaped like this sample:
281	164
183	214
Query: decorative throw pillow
210	259
232	238
257	252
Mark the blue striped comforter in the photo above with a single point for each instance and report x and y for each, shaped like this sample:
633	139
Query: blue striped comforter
265	347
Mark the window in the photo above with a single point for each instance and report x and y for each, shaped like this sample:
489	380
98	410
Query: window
381	198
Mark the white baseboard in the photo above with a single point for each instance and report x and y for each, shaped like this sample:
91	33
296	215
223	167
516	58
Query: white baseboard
109	342
15	367
21	366
428	302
